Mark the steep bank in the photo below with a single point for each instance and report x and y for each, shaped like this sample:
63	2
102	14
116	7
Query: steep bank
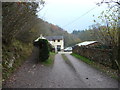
13	56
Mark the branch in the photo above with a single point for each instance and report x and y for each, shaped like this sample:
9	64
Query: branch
118	3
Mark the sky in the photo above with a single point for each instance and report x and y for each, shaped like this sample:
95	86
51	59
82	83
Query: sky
71	14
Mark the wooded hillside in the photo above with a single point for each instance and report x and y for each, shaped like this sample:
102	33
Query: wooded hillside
84	35
48	29
21	26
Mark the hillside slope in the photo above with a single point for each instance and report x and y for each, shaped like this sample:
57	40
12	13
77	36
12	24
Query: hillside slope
48	29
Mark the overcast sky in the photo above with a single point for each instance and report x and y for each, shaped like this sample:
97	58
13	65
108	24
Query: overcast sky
67	13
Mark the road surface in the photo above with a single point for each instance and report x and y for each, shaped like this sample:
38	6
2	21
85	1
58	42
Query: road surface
59	75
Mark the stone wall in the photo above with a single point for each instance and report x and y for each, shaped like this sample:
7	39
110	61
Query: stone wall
103	56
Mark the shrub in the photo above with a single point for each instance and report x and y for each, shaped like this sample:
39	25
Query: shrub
43	46
36	44
51	48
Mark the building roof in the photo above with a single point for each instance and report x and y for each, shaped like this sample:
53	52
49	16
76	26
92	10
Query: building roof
41	37
50	38
86	43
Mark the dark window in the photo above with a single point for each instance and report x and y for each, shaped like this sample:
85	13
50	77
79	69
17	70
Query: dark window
58	40
58	47
54	40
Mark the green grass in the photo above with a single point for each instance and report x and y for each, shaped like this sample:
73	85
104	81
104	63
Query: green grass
50	60
111	72
83	58
67	61
64	57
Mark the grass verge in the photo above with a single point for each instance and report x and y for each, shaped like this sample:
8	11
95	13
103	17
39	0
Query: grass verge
50	59
64	57
111	72
68	62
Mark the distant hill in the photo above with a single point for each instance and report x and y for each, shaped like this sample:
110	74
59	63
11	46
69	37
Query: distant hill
84	35
48	29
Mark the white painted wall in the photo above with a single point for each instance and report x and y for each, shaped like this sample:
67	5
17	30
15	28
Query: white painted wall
57	43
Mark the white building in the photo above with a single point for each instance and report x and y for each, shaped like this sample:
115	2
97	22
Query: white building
88	43
57	42
41	37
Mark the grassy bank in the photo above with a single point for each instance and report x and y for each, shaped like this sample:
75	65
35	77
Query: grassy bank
13	56
111	72
64	57
68	62
50	60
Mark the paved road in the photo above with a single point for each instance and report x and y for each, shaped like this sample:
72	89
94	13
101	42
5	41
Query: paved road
59	75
